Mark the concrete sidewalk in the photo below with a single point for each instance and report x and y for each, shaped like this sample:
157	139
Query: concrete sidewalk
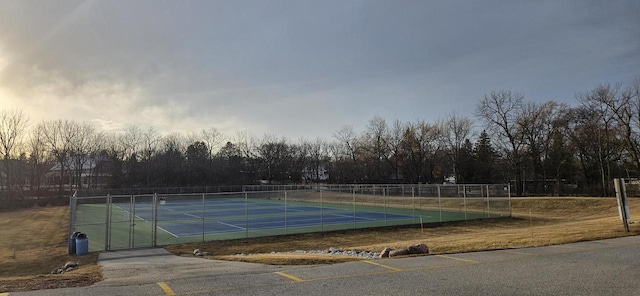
157	265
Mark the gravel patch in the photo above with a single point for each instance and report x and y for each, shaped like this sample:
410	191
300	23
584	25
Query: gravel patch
332	251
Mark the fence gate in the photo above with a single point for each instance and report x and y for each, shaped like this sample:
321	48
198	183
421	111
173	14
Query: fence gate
131	221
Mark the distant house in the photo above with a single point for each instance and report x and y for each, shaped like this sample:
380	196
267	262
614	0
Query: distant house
318	174
80	172
450	180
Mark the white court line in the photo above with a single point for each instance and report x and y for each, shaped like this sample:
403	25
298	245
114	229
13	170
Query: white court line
170	210
351	216
231	225
167	231
194	216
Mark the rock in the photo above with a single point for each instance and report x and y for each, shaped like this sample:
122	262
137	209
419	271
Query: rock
385	252
414	249
199	253
399	252
332	250
418	249
70	264
57	271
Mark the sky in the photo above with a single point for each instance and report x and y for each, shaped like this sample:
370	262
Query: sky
302	69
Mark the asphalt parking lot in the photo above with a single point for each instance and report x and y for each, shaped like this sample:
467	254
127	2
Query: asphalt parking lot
605	267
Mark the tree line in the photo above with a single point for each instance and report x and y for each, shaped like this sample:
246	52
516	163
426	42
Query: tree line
545	148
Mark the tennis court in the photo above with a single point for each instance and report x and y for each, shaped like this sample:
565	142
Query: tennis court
122	222
190	218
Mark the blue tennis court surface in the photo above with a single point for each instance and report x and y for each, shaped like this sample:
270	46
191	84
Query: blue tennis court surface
219	216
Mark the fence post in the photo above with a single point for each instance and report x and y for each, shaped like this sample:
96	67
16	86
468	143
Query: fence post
203	215
154	221
439	202
464	200
488	200
246	214
73	207
621	196
384	198
133	221
285	213
509	192
355	223
107	230
413	197
321	213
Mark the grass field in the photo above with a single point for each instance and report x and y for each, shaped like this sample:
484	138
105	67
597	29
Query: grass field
34	240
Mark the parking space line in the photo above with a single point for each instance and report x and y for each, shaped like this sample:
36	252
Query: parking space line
574	246
459	259
518	253
291	277
167	290
383	266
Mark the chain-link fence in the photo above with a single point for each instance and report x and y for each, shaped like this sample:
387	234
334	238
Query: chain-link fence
119	221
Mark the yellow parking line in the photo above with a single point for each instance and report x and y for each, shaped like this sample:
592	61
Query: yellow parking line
167	290
460	259
516	252
4	294
291	277
384	266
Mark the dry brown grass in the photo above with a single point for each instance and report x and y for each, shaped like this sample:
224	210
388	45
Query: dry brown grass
37	237
33	244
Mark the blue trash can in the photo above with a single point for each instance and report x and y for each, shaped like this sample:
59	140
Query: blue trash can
72	243
82	244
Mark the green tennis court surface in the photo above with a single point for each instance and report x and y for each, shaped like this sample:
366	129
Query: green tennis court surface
131	225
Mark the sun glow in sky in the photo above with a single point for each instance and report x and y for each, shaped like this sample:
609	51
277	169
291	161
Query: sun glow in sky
302	68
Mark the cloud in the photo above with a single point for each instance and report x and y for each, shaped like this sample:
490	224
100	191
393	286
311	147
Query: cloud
299	68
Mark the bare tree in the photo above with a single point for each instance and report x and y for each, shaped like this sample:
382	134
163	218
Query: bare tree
420	148
37	156
347	151
172	159
501	112
394	143
537	128
318	157
603	105
12	126
624	105
213	139
150	140
80	146
59	135
377	149
454	132
348	138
